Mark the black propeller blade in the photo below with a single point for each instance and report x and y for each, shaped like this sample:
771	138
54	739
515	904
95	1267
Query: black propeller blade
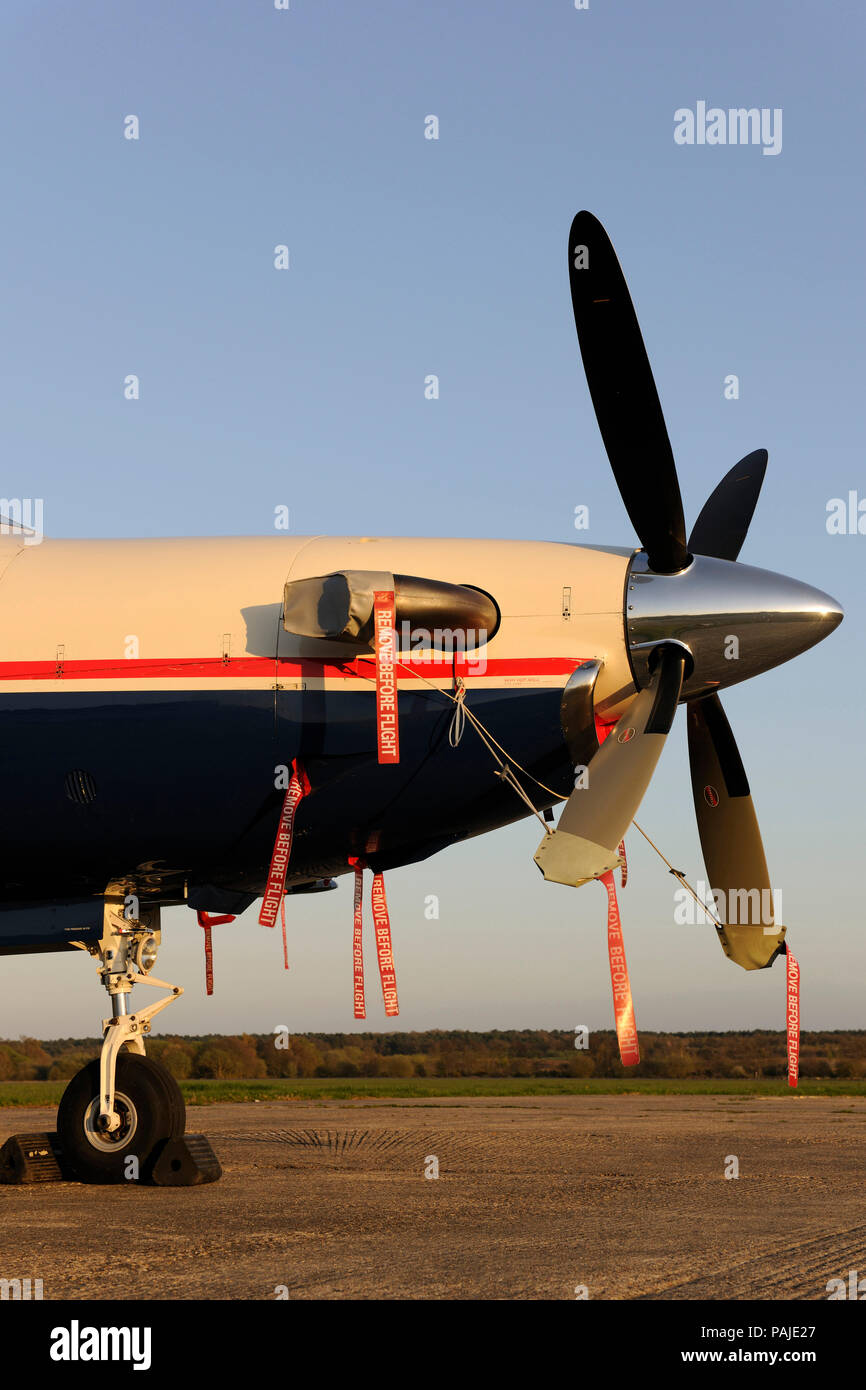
730	839
624	395
724	520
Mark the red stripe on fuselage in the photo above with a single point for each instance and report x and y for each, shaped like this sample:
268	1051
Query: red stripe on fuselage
239	668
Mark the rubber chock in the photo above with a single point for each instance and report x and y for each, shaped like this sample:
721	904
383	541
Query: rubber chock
186	1162
27	1158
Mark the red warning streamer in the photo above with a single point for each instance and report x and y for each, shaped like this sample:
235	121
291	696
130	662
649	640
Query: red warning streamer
626	1032
623	1008
384	949
285	940
358	938
384	623
382	925
205	920
297	789
793	1017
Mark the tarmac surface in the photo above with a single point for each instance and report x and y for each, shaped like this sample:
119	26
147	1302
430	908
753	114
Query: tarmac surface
625	1195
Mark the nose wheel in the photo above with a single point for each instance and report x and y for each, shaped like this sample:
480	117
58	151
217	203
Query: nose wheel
149	1108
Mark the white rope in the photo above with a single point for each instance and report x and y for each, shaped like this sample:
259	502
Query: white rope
676	873
462	712
458	718
459	698
507	773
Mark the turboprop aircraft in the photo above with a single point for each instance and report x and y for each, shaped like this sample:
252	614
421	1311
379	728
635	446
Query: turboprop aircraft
154	690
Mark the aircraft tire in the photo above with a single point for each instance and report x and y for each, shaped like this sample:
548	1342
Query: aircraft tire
151	1107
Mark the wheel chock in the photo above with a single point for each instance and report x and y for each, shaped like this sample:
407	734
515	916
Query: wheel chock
28	1158
35	1158
185	1162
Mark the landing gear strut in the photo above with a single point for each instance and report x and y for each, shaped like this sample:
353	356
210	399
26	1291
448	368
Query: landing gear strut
116	1112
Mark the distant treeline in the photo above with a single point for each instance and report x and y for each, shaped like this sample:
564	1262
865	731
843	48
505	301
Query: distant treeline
524	1052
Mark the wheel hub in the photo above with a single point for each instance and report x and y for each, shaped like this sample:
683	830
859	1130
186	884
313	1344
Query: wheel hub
108	1141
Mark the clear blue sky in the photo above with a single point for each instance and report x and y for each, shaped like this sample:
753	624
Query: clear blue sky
408	257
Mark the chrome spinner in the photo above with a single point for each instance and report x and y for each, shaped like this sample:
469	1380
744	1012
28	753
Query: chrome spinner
735	620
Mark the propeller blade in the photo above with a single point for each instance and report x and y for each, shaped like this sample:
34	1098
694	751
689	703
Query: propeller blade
724	520
585	843
730	839
624	395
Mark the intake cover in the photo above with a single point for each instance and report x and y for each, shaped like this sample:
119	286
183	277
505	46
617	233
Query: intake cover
339	608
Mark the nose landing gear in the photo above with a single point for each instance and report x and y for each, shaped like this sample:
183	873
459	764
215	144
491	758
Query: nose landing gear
116	1113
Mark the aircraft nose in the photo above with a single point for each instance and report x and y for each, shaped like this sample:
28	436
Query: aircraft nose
736	621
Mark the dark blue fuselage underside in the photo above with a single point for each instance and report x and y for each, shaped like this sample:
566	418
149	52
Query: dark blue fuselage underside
174	788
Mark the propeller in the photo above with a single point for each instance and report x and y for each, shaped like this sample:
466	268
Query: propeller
600	809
